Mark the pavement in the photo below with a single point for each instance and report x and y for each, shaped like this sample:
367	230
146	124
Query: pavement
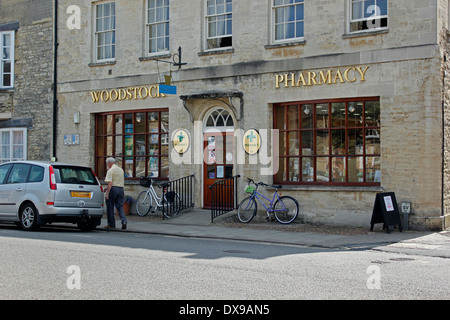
196	223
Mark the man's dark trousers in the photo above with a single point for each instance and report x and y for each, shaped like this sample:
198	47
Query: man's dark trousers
115	199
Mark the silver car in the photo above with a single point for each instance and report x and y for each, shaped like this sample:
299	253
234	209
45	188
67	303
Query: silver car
34	193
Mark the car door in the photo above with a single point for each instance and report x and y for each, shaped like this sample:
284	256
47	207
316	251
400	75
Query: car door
4	170
15	187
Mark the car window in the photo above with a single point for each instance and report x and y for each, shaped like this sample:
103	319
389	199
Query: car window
19	173
36	174
4	171
74	175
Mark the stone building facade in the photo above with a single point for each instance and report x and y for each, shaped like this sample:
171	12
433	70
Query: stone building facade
26	95
348	98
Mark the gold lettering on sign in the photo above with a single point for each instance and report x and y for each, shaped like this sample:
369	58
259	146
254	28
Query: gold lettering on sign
132	93
318	78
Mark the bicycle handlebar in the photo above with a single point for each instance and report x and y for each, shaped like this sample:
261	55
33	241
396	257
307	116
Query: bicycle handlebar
263	184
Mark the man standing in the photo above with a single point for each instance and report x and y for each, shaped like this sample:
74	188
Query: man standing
114	193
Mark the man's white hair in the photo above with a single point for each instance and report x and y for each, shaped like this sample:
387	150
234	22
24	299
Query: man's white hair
111	160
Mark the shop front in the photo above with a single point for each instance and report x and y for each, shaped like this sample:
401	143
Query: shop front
334	137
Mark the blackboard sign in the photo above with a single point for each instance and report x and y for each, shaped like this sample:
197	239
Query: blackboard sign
385	210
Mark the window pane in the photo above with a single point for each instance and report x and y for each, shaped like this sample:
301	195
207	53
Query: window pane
293	117
322	116
139	145
307	116
153	167
308	169
373	173
293	144
357	10
5	137
140	167
7	80
355	169
36	174
17	137
307	143
373	142
322	142
355	141
372	113
3	171
355	114
338	169
119	146
6	66
338	141
140	122
338	114
294	169
6	53
164	121
19	173
322	169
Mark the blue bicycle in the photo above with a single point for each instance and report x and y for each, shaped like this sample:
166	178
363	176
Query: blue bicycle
285	209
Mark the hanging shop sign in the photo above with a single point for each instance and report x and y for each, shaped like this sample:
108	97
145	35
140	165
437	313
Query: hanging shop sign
132	93
251	141
181	141
321	77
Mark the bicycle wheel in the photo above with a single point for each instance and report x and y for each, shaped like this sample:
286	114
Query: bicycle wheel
171	204
285	209
247	209
143	203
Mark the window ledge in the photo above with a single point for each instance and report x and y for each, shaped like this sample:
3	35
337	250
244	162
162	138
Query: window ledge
336	188
155	57
285	44
357	34
216	51
102	64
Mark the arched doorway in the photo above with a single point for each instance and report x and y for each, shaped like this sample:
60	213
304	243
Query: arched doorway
218	149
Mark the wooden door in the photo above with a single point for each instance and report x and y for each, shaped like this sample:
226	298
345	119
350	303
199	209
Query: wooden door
218	157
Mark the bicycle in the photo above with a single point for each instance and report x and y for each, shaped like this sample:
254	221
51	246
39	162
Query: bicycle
169	202
285	208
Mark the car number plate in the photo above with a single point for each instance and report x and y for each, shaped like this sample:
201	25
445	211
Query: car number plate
80	194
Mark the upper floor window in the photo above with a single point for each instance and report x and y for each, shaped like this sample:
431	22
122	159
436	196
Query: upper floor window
366	15
289	20
219	24
7	59
105	31
158	26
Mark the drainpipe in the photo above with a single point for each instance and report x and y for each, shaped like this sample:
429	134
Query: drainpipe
55	79
443	139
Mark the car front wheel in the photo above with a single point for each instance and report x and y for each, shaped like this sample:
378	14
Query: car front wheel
29	217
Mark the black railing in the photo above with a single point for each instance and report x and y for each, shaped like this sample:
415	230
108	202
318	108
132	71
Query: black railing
184	188
224	196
